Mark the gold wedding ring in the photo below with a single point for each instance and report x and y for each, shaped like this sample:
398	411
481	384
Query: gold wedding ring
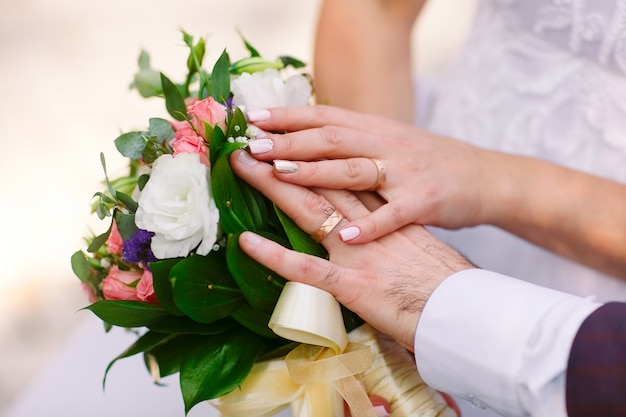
382	175
325	228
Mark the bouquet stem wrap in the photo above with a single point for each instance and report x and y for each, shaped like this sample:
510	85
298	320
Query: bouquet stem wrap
316	380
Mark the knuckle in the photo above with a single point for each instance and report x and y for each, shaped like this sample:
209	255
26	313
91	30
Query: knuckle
317	204
331	135
353	168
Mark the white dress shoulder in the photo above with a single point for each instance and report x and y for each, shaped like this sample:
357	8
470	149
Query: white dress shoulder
545	79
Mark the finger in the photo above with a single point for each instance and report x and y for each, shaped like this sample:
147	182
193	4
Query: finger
344	201
382	221
305	207
296	266
355	174
328	142
292	118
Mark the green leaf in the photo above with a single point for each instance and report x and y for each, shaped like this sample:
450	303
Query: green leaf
146	342
142	181
125	224
218	367
161	129
127	200
249	47
291	61
259	285
144	60
131	144
124	313
81	267
235	216
98	241
174	101
168	355
220	79
163	286
186	325
254	320
217	141
204	288
237	124
196	56
300	240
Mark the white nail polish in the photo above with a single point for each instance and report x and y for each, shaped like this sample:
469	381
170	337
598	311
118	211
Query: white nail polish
258	115
285	167
381	411
261	146
246	159
349	233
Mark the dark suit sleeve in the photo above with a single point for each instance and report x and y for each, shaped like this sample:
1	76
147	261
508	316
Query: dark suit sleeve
596	371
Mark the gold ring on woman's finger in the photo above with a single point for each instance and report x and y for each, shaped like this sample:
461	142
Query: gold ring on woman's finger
325	228
381	175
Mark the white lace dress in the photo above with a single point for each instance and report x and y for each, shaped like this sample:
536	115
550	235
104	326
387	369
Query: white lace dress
545	79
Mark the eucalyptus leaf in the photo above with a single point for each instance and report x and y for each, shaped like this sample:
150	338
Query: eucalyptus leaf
125	224
161	129
204	289
259	285
128	201
142	181
125	313
131	144
218	367
81	267
174	101
99	240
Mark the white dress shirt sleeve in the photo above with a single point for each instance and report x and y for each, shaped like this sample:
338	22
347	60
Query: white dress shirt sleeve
499	342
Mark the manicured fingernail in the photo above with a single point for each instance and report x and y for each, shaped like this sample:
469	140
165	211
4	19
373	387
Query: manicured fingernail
261	145
285	167
252	239
258	115
349	233
246	159
381	411
257	133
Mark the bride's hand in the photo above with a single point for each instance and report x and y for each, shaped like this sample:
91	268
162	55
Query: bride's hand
387	282
430	179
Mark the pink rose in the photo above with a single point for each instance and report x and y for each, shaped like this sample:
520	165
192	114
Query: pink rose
91	296
207	110
187	141
120	285
115	241
145	288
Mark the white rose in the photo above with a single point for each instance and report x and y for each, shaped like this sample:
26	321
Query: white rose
176	204
262	90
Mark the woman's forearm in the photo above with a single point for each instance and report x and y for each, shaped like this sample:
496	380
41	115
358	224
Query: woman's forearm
576	215
363	56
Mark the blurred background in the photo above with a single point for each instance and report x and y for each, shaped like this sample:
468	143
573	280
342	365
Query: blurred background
64	75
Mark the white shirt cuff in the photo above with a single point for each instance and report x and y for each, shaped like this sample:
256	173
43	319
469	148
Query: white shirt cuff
499	342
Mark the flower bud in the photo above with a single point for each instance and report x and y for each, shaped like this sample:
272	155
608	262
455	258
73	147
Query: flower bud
254	64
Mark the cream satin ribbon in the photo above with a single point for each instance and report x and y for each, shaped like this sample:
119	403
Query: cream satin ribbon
309	315
316	377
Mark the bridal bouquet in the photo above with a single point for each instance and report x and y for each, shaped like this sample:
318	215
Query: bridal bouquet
169	266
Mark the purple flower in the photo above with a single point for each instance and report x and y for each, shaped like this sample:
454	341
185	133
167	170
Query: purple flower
137	249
